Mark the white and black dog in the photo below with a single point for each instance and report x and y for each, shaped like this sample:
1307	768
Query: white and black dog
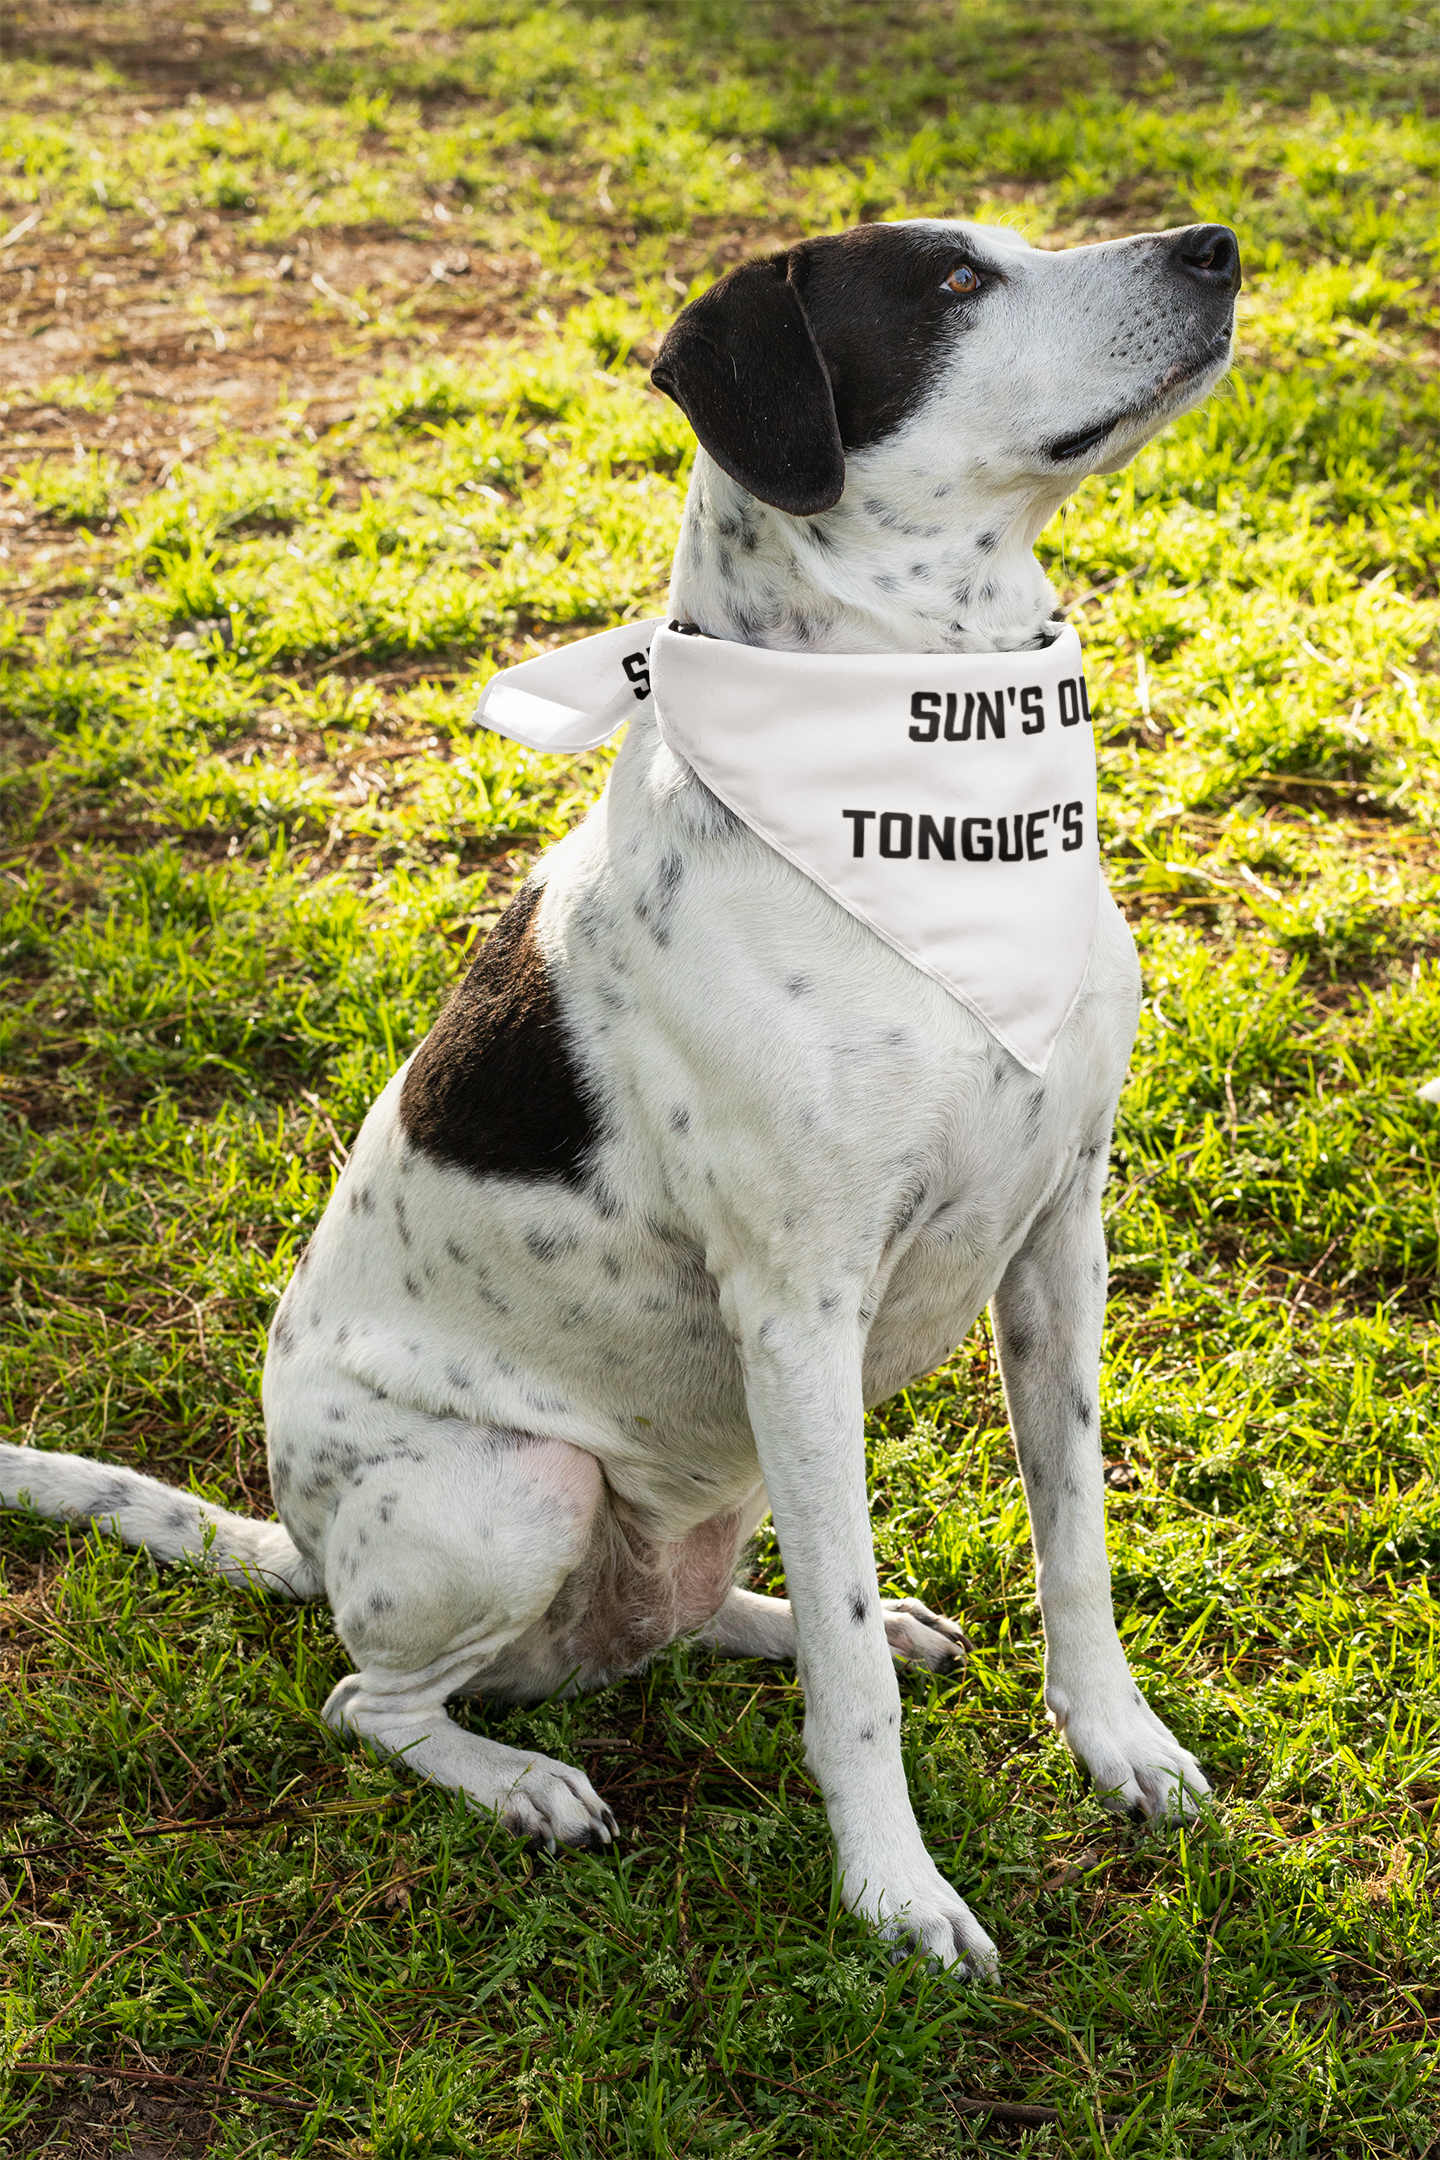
693	1166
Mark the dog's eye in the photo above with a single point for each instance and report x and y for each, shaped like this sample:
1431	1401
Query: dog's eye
963	279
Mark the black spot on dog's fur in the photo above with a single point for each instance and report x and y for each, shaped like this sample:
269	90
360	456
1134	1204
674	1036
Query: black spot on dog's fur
494	1088
486	1294
877	507
859	1608
653	907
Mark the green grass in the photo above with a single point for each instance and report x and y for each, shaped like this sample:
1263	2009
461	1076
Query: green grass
249	841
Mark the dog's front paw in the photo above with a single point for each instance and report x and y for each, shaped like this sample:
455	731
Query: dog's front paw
923	1637
1138	1767
924	1916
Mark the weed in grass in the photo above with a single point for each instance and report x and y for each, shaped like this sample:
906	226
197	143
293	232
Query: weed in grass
325	394
77	492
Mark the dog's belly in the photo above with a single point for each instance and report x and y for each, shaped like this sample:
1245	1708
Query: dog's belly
630	1595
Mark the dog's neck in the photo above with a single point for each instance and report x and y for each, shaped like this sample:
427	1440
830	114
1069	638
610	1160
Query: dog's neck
905	562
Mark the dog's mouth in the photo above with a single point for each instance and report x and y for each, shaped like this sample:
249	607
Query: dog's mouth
1070	447
1065	449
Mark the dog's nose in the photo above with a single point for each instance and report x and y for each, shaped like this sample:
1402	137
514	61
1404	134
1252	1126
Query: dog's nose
1208	253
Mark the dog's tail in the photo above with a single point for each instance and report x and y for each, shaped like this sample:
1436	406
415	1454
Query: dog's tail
168	1523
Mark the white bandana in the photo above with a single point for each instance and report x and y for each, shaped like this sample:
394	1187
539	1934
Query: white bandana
946	800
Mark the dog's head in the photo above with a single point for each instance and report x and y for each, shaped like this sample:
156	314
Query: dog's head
959	345
888	417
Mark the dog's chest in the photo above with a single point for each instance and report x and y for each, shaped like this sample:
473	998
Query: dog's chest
759	1045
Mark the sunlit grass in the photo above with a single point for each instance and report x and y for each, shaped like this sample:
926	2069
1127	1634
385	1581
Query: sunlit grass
251	839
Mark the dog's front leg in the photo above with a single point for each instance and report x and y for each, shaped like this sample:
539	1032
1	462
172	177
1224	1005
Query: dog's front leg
1049	1314
803	1390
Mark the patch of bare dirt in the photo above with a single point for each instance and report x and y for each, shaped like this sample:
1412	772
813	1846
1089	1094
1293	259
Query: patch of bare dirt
192	314
98	2116
219	50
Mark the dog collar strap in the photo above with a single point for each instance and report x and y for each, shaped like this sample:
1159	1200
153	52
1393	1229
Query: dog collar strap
945	800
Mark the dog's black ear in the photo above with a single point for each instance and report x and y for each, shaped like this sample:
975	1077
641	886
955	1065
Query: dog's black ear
742	364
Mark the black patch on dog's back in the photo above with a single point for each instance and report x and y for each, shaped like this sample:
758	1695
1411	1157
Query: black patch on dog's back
492	1088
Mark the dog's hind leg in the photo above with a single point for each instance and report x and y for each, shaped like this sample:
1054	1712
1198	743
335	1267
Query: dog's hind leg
439	1562
764	1627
